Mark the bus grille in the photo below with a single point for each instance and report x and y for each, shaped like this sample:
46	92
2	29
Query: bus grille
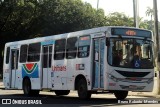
132	74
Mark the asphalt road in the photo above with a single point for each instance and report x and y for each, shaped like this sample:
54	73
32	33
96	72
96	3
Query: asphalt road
72	99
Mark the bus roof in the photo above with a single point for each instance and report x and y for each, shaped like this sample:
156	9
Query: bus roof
70	34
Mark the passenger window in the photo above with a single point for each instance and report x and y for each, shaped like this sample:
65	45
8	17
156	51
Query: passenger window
59	50
84	46
23	53
71	49
7	55
34	52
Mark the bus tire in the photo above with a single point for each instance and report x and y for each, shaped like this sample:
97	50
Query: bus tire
121	95
82	90
62	92
27	87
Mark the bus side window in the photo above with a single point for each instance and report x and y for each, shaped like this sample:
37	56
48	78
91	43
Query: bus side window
84	46
34	52
7	55
59	49
71	49
23	53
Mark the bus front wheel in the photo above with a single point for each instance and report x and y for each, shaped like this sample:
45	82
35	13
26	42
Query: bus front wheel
121	95
83	93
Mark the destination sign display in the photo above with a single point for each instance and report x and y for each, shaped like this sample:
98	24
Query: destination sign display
131	32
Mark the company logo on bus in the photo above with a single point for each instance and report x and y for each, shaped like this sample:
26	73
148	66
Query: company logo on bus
29	68
59	68
131	33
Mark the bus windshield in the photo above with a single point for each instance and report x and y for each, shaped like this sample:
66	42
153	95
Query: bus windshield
130	53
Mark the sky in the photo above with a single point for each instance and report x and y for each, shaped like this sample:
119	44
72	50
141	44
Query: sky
124	6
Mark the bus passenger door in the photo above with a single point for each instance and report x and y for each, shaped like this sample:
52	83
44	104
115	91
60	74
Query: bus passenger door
46	66
14	67
98	63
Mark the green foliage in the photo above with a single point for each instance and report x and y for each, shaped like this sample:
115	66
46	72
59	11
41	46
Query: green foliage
63	16
24	19
27	19
119	19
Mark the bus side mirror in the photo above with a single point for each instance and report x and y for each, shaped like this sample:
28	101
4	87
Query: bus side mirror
107	42
158	57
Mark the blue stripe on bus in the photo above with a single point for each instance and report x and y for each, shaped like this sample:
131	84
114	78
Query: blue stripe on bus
47	42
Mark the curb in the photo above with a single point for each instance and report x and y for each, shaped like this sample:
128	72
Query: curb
2	88
143	95
154	96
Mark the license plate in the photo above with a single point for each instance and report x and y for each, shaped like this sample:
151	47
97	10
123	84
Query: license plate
132	87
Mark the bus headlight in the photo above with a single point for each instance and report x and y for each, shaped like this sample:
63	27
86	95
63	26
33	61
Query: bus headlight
112	78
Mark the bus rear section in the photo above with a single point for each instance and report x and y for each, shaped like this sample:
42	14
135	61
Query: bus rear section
10	66
19	65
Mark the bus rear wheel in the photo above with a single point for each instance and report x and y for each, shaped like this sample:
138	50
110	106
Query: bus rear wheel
62	92
83	92
27	87
121	95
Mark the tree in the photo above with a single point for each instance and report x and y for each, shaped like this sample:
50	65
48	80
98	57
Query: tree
118	19
24	19
149	12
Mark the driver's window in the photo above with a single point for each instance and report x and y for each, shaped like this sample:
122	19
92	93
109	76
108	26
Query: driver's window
117	52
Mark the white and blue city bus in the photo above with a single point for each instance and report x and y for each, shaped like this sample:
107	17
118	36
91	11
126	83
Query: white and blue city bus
106	59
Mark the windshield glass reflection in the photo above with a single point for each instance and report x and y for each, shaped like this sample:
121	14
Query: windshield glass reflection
130	53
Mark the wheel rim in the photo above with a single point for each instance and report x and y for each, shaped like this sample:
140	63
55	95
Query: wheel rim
82	91
27	87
